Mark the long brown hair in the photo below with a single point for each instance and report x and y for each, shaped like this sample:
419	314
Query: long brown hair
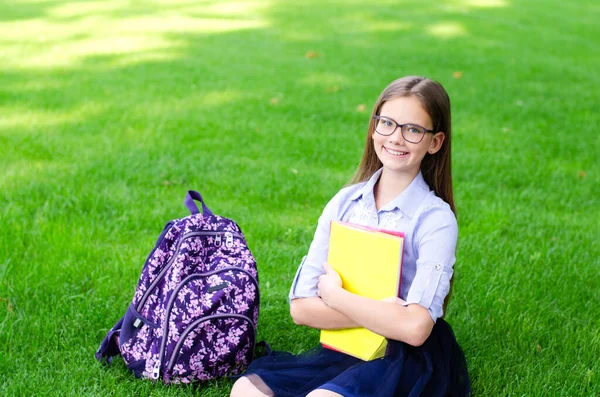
436	168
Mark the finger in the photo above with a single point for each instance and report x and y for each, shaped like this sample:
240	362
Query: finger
329	269
393	299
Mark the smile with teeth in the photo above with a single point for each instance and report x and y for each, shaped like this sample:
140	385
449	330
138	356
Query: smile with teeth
395	152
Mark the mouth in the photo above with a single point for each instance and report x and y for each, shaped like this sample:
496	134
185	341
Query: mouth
396	153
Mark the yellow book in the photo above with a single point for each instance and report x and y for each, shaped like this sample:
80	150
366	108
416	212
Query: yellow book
369	262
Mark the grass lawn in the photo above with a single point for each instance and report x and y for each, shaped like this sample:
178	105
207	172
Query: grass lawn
111	110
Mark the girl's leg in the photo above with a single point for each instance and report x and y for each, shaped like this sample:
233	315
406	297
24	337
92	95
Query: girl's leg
251	386
323	393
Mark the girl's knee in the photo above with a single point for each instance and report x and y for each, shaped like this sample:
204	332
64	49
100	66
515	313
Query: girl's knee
245	387
323	393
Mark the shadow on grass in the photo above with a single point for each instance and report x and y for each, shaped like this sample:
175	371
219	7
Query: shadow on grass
260	78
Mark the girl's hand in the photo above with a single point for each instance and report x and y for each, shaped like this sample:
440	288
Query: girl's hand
394	299
328	283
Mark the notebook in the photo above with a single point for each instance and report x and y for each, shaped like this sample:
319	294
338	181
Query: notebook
369	262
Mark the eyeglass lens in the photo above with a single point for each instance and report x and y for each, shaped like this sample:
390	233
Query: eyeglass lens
410	132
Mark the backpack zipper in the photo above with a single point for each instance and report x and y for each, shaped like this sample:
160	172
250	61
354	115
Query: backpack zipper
157	364
229	237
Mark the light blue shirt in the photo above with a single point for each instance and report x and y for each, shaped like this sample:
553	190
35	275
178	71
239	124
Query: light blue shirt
430	234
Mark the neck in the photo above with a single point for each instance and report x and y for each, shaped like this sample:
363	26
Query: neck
390	185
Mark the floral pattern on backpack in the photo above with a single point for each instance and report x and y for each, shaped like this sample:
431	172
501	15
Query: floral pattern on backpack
194	313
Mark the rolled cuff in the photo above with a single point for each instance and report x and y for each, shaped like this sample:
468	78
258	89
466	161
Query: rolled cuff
306	281
430	287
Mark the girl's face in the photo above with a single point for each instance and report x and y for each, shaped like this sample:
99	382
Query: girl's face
395	153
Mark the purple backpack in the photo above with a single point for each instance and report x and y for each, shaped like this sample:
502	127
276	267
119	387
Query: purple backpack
195	310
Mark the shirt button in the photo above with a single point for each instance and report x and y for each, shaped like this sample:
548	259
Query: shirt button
374	215
438	267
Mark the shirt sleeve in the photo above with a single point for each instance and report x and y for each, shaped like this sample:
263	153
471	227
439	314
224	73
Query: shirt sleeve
435	246
307	276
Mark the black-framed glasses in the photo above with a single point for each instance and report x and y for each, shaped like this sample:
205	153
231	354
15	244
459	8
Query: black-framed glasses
412	133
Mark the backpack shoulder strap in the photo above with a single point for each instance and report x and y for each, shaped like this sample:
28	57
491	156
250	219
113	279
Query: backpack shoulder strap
109	347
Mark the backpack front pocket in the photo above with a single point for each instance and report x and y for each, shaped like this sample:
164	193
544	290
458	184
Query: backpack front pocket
213	346
223	305
187	255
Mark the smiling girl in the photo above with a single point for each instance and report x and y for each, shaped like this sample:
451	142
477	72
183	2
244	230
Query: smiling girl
404	184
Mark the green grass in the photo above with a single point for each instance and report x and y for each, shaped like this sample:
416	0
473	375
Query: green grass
110	111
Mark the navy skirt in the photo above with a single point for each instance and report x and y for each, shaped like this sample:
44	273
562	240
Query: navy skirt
437	368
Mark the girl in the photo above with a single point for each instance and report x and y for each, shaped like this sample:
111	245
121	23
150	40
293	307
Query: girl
403	183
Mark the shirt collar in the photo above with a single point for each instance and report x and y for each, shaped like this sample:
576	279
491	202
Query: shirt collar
408	201
368	186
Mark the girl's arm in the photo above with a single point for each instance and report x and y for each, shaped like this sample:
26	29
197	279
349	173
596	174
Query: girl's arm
411	324
306	307
411	321
313	312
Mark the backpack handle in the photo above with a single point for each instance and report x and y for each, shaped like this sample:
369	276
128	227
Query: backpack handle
191	205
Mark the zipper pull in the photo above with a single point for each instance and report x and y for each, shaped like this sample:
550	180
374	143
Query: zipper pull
218	240
156	370
228	239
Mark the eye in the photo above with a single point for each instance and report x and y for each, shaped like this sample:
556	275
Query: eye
386	122
414	129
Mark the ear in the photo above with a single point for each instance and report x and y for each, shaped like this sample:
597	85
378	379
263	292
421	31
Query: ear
436	143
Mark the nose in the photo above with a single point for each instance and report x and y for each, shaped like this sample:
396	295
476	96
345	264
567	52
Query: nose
396	137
